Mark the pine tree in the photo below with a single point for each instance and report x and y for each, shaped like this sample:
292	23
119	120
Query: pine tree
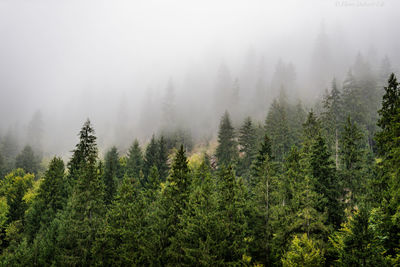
118	240
388	141
267	202
352	157
134	162
162	159
84	150
352	99
357	242
165	215
196	240
51	198
28	161
83	216
303	251
276	126
112	174
227	152
332	119
326	182
247	147
150	157
263	152
231	247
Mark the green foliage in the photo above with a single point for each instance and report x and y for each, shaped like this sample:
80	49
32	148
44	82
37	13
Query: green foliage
276	126
162	164
134	164
14	187
85	209
303	251
247	147
358	242
118	239
51	197
227	152
28	161
326	182
112	174
84	150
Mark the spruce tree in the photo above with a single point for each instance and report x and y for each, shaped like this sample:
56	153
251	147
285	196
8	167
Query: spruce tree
388	141
134	162
352	157
326	182
247	147
112	174
83	216
162	159
28	161
276	126
195	241
227	152
150	157
84	150
118	240
51	198
267	202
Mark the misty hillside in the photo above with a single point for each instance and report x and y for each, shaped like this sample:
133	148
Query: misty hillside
199	133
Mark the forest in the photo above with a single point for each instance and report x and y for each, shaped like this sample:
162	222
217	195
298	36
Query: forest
199	133
304	188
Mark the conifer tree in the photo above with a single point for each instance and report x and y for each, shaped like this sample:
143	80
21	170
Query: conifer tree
332	119
162	159
28	161
352	157
85	209
263	153
84	150
166	214
326	182
231	247
357	242
227	152
118	240
247	147
276	126
112	174
267	201
134	162
388	141
51	198
196	241
151	156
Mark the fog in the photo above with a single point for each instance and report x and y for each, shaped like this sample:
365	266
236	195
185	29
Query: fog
137	67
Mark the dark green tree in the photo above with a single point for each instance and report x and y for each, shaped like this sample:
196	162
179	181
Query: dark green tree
134	162
388	142
150	157
352	158
51	198
84	150
112	174
326	182
162	159
28	161
83	216
247	147
227	151
276	126
118	240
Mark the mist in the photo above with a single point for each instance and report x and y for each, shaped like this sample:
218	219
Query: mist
141	67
